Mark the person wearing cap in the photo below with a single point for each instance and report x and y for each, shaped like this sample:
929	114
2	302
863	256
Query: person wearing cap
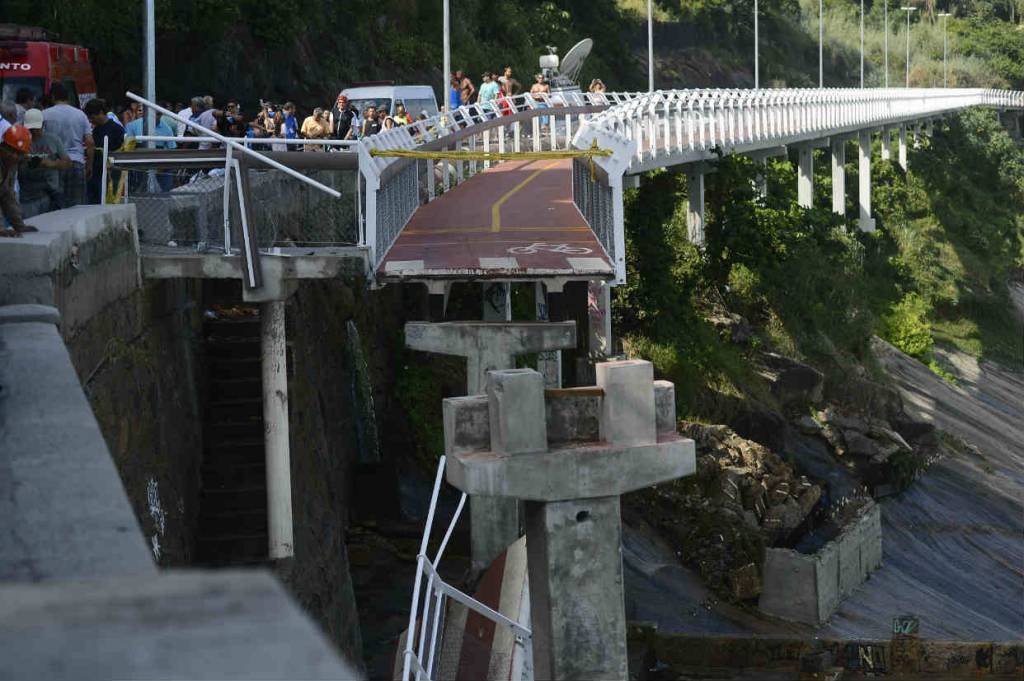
39	174
15	145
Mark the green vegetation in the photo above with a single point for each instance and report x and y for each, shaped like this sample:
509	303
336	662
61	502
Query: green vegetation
936	270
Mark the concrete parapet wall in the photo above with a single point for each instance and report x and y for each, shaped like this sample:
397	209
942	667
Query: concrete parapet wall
63	510
80	260
809	587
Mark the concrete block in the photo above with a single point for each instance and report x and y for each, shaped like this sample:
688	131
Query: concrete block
627	412
573	415
827	580
790	586
665	407
230	624
17	314
467	425
851	573
516	411
871	539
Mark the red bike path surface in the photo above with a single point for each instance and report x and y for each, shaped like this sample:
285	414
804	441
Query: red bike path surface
515	220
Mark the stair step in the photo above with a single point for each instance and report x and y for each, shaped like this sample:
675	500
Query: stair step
244	348
236	388
235	430
238	409
214	501
227	368
218	474
233	522
233	549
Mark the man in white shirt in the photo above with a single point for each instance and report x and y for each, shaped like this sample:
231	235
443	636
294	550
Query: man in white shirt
72	127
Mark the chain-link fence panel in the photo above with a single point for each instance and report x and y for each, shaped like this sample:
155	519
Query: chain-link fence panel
185	208
594	199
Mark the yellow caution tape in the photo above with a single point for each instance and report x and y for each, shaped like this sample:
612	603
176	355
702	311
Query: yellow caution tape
471	155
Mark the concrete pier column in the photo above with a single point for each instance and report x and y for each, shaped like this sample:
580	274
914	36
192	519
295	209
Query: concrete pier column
695	207
490	346
865	221
839	176
497	302
599	313
549	362
761	178
274	361
570	472
903	147
805	177
886	144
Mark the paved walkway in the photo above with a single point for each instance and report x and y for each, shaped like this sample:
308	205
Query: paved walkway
515	220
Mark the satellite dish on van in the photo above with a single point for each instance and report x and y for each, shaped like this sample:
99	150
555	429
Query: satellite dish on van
572	62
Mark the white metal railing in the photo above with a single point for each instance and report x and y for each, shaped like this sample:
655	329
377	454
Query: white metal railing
419	656
249	142
678	126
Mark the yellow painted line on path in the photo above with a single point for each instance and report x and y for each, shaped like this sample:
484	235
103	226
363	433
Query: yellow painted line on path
496	208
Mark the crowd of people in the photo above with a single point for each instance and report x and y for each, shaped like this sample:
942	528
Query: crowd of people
51	151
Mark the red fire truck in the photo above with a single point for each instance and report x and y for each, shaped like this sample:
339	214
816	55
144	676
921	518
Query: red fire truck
30	59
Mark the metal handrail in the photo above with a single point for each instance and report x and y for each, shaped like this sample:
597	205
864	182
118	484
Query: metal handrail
246	141
437	591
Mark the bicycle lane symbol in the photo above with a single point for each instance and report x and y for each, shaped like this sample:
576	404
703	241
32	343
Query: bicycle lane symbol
540	246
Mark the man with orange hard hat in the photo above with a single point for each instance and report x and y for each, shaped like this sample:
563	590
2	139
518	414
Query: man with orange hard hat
15	145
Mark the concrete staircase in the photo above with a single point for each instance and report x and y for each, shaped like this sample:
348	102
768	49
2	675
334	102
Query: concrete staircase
232	526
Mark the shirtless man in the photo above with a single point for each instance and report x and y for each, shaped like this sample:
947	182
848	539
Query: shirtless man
466	89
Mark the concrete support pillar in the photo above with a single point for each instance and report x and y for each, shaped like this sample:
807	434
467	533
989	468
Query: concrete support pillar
695	207
886	144
488	347
549	362
839	176
805	177
573	526
761	178
865	221
599	312
274	362
903	147
497	302
929	127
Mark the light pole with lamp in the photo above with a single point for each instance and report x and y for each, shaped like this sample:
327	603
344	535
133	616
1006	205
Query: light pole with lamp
757	64
446	77
650	46
908	10
945	44
821	43
861	44
885	41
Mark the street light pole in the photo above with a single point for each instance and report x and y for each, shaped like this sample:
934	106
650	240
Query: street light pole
821	43
446	77
885	40
650	46
862	44
757	64
908	10
149	124
945	45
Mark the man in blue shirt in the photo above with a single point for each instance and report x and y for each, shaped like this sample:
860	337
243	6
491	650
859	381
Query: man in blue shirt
164	178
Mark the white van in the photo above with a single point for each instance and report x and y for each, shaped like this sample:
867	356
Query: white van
416	98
